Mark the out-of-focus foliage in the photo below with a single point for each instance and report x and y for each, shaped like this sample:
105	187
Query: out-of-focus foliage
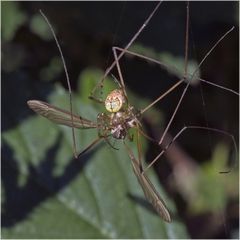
95	196
38	26
208	190
11	18
54	68
48	194
214	186
174	65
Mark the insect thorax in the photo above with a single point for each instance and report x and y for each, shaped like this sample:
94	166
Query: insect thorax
121	116
122	121
118	123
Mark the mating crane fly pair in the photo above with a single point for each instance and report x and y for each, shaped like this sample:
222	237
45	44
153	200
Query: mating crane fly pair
121	116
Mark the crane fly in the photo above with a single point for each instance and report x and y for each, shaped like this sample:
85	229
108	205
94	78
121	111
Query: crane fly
121	116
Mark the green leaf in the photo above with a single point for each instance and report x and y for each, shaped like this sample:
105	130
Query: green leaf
38	26
52	71
49	194
12	18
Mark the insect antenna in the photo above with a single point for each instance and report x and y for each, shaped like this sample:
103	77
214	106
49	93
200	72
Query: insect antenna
68	80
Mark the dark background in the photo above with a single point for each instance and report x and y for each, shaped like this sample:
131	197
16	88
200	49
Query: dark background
88	30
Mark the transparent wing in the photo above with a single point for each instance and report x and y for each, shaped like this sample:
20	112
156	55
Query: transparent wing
150	192
60	116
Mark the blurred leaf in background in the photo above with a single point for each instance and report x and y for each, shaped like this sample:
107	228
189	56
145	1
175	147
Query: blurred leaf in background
46	193
96	196
174	65
205	189
12	18
215	188
38	26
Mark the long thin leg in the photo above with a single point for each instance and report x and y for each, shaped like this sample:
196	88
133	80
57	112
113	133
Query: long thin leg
193	127
93	143
185	74
120	73
123	84
139	147
122	81
186	60
120	56
148	137
173	70
186	88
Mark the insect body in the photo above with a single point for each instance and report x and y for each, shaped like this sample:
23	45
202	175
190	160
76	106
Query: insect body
122	116
114	124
